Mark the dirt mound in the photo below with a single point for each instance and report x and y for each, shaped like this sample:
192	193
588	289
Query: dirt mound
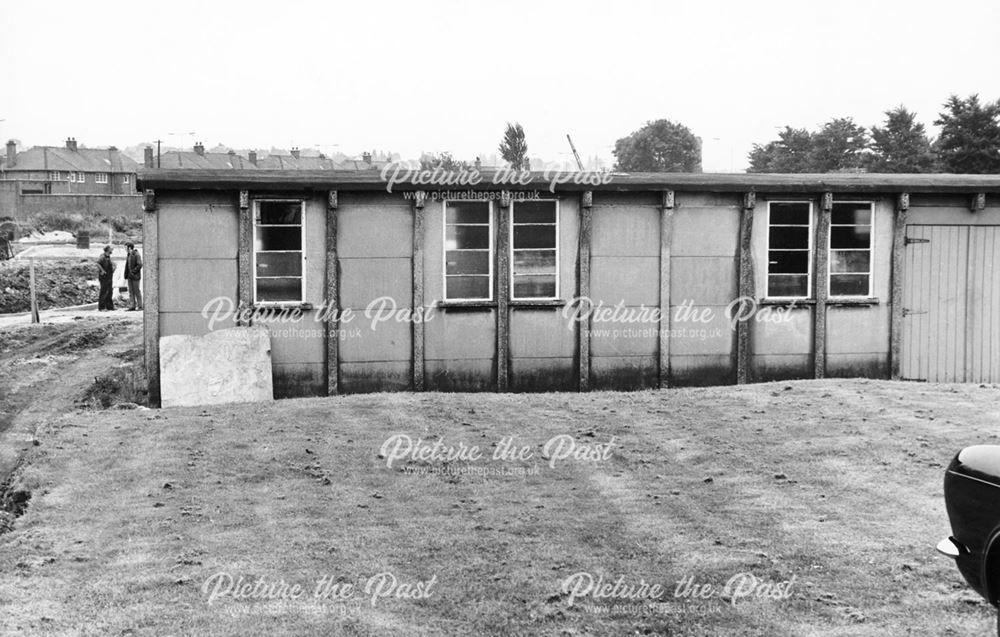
59	283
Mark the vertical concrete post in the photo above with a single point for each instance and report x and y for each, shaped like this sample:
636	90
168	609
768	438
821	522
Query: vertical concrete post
583	289
419	201
666	236
332	301
745	286
151	295
245	259
503	292
896	316
822	279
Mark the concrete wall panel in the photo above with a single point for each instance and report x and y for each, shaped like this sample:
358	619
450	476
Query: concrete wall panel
632	280
187	285
365	280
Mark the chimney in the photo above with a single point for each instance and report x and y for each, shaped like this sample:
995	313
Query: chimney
295	152
252	156
147	156
199	148
71	144
11	153
366	157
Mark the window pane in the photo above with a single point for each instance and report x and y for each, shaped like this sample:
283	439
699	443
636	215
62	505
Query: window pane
279	212
850	260
535	212
850	237
787	285
279	289
468	238
535	286
468	262
789	213
467	287
278	239
468	212
851	214
788	262
534	237
534	262
788	237
279	264
848	285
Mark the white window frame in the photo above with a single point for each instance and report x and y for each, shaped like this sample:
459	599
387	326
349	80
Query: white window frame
55	175
253	249
101	178
510	241
811	251
72	176
871	256
444	248
125	179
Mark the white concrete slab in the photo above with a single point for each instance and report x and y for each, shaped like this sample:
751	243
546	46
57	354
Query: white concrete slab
225	366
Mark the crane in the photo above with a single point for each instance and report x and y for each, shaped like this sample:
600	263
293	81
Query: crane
579	163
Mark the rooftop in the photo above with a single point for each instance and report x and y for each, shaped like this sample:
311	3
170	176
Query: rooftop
46	158
705	182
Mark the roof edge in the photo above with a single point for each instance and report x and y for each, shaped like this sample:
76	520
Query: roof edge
405	180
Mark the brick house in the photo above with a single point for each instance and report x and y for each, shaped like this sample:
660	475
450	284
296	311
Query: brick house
69	169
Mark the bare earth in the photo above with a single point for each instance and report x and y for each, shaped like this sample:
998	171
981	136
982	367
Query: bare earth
831	488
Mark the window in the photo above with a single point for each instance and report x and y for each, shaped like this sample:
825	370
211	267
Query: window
789	243
534	250
468	250
279	275
81	177
101	178
851	249
125	179
54	175
72	176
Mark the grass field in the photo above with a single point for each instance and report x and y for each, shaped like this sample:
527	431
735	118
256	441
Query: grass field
188	521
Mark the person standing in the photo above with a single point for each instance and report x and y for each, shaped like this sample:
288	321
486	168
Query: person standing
105	272
133	274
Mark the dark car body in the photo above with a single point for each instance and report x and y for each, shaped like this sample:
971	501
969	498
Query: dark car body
972	498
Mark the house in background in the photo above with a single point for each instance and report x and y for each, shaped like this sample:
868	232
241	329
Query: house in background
200	159
69	169
97	183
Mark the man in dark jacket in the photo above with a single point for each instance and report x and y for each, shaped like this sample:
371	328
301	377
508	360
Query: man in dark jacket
105	272
133	274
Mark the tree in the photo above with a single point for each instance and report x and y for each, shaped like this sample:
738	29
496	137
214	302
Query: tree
659	146
970	136
788	154
839	145
902	145
444	161
514	148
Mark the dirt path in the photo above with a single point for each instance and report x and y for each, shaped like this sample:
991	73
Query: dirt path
46	369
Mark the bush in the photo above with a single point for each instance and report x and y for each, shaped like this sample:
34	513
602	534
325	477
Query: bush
67	221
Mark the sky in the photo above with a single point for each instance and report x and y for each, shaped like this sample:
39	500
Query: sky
442	75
